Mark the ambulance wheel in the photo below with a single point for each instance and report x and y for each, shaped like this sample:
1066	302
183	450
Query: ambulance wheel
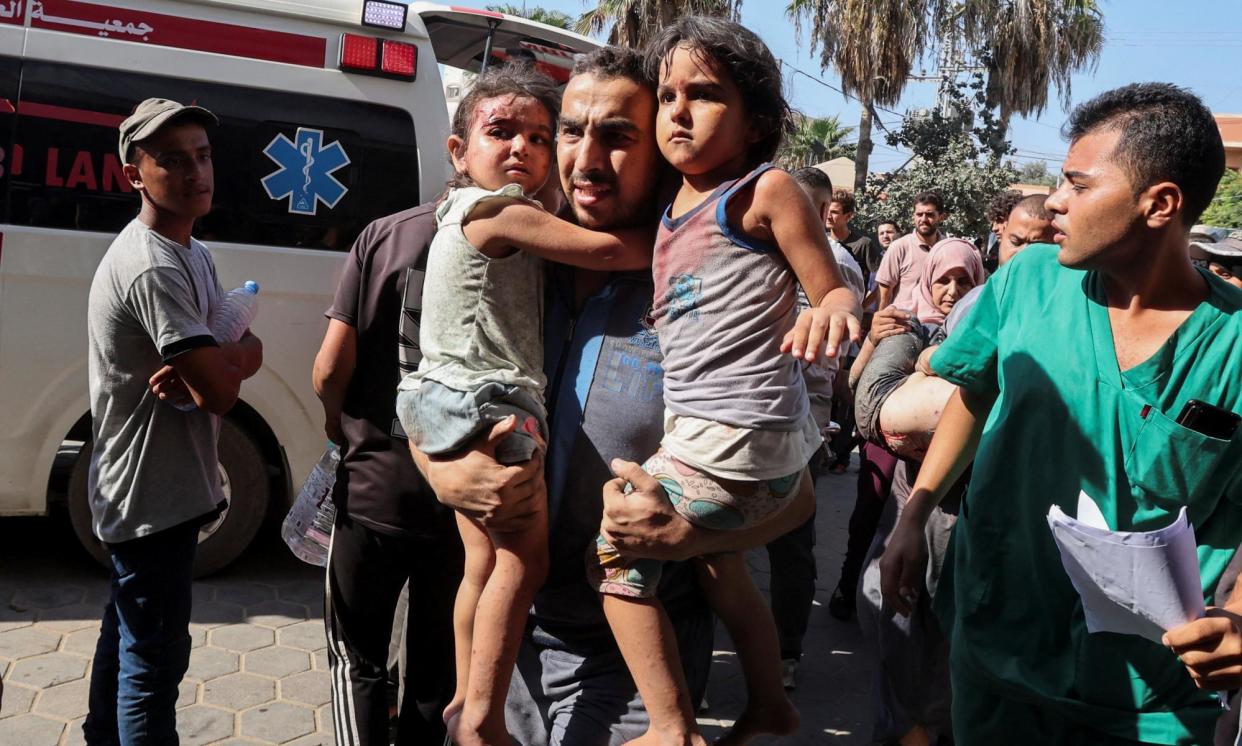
246	487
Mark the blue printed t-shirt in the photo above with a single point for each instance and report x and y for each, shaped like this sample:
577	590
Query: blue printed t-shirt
1066	419
605	401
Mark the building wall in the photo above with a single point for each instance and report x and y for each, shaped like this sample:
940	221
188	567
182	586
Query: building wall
1231	132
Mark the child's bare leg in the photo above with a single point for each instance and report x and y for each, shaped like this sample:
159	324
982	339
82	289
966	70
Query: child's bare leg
649	647
480	558
521	564
733	596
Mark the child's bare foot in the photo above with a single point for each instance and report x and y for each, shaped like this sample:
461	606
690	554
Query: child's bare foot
654	738
780	718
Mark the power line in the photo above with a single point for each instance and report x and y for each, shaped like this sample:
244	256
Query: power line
1167	32
1025	154
1044	153
838	90
1041	124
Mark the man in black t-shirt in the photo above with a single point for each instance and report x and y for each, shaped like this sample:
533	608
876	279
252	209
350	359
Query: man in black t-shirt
390	528
840	214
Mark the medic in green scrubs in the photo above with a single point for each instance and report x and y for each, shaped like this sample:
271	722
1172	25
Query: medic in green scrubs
1072	370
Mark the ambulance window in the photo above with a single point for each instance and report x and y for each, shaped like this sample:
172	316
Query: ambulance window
290	169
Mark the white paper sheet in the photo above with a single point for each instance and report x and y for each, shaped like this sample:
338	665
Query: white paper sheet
1132	582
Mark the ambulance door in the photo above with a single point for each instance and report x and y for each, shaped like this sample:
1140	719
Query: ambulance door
464	37
22	489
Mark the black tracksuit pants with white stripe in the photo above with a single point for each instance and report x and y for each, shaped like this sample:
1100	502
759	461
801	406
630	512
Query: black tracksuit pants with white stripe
365	574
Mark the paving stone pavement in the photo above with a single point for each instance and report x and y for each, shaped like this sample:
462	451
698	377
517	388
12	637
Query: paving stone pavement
258	670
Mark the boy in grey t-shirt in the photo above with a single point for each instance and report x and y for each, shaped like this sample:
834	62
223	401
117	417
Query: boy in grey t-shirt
153	477
148	304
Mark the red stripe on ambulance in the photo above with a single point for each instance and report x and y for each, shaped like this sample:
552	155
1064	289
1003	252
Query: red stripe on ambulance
140	26
476	11
67	114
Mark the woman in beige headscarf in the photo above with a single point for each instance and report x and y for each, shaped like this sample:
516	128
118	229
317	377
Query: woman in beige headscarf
899	400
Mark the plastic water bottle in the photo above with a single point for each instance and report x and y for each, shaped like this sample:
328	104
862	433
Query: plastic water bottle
308	527
230	320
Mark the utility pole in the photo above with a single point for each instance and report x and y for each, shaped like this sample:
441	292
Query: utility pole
951	63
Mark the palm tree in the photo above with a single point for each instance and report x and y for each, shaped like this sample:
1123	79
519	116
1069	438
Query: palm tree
815	140
538	14
633	23
873	44
1028	46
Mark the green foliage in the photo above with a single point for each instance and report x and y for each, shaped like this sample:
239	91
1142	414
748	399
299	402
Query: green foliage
816	139
633	23
1225	210
958	153
1026	47
1036	172
537	14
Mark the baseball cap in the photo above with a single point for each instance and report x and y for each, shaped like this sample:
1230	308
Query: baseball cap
154	113
1207	233
1226	250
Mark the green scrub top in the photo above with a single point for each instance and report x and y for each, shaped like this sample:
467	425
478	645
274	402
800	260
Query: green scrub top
1066	419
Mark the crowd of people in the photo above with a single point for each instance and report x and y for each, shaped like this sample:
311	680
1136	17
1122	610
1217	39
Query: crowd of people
622	348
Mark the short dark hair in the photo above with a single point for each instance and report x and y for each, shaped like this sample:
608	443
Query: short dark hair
929	198
610	62
1033	205
812	178
520	80
888	222
1002	204
1166	134
747	60
845	199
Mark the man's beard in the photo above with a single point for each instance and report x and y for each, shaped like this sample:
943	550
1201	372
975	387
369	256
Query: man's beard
622	216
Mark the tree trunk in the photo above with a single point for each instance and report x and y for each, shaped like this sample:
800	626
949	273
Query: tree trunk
863	155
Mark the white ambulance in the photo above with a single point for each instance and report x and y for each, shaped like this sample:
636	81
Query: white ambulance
332	114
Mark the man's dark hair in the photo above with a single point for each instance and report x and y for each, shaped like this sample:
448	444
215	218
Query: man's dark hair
743	56
1002	204
1033	205
608	63
888	222
522	81
1166	134
846	200
812	178
929	198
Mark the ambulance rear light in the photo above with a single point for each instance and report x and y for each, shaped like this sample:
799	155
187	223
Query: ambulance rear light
382	57
399	59
359	53
382	14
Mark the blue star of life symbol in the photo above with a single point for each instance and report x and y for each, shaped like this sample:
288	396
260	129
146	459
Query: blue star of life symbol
305	174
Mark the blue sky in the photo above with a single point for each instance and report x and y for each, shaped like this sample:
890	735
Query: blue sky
1193	43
